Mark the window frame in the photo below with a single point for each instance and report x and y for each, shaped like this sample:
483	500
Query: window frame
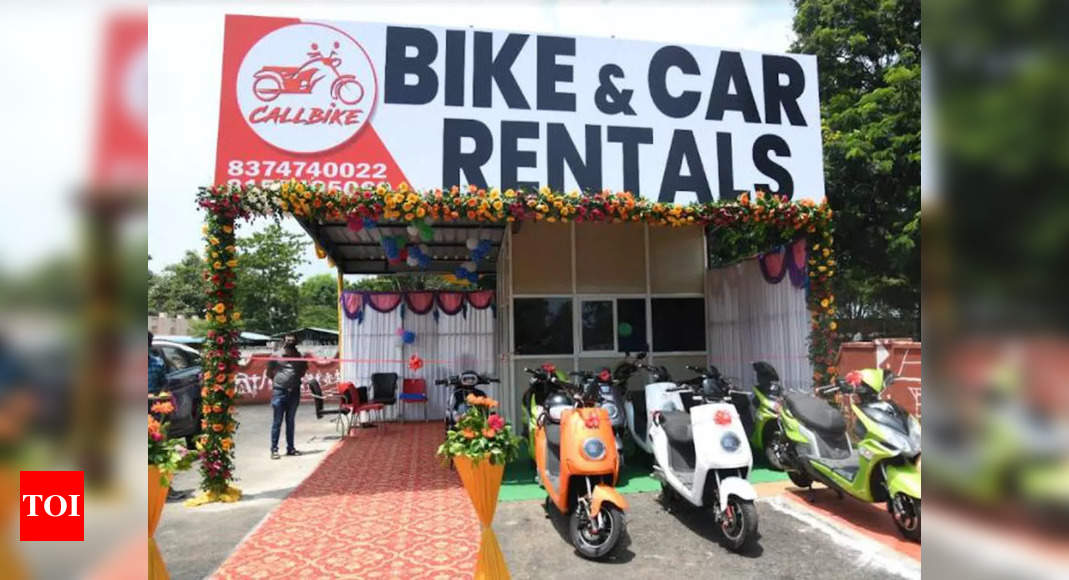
571	298
581	351
705	325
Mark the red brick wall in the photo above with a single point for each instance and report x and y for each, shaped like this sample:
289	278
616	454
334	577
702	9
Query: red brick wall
901	356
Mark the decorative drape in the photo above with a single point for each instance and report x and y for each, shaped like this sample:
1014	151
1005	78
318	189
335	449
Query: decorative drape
419	302
422	302
751	320
447	345
781	260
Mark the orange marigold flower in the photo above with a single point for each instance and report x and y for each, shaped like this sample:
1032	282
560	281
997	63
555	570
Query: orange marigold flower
489	433
468	433
217	428
163	408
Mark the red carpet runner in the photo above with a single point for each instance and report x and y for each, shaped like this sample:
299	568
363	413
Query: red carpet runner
379	506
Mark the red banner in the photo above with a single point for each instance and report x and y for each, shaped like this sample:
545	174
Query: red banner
253	386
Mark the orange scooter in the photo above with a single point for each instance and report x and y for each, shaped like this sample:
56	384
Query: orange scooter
577	463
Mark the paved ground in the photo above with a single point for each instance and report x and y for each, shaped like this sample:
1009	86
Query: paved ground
195	541
685	544
796	542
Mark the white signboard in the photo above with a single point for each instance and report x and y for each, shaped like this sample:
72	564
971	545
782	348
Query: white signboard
351	104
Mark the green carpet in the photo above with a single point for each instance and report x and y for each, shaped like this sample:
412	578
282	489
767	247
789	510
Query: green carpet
519	481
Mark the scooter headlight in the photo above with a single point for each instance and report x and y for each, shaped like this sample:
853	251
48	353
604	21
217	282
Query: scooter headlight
594	448
730	442
897	442
612	410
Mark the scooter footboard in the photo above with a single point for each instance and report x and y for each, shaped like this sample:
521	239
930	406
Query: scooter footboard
735	486
604	493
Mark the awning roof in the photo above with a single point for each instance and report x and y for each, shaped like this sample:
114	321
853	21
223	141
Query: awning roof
362	253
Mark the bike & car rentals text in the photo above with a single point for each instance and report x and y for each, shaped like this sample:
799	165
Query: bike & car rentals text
420	69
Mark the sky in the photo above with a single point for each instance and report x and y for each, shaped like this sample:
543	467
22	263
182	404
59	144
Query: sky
185	61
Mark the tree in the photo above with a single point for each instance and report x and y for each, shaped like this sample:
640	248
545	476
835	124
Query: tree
267	293
868	58
179	288
319	301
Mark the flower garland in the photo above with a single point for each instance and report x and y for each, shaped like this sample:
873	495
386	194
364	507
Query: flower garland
215	445
738	228
295	198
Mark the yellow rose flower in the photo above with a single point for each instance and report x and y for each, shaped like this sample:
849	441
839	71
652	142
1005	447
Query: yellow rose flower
220	318
232	263
219	308
235	316
228	229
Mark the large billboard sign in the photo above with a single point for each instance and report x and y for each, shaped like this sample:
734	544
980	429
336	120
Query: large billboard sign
353	104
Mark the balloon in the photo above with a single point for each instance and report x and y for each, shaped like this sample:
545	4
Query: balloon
472	243
356	224
424	261
425	250
412	230
400	331
409	337
412	261
624	329
415	362
469	266
403	255
426	235
370	223
484	247
460	273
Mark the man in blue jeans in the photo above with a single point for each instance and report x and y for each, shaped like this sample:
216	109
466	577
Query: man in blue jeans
285	378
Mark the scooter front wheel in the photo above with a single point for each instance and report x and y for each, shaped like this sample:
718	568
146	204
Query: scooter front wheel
739	523
800	479
906	512
594	541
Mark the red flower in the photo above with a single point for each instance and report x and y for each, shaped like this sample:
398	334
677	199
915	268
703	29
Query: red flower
495	422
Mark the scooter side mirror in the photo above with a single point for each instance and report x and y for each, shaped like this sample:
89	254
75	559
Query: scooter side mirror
888	377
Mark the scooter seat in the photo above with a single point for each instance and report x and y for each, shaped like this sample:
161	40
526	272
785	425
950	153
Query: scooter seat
677	427
815	413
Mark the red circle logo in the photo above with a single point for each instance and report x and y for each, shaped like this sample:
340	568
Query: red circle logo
306	87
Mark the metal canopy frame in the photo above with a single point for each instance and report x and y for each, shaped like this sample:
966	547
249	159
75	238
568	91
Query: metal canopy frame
362	252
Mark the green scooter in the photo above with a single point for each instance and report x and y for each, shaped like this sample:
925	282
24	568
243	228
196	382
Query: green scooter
539	386
883	465
763	412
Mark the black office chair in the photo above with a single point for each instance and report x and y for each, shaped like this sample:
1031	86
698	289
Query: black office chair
384	389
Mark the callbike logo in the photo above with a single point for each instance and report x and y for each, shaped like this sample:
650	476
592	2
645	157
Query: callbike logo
306	87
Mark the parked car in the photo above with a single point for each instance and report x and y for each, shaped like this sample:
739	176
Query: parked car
183	366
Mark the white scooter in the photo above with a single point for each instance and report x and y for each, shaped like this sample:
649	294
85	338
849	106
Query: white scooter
701	452
639	405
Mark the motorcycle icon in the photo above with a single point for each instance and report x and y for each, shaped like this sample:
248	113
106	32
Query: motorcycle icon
272	81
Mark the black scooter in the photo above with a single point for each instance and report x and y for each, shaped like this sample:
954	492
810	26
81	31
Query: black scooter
460	386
